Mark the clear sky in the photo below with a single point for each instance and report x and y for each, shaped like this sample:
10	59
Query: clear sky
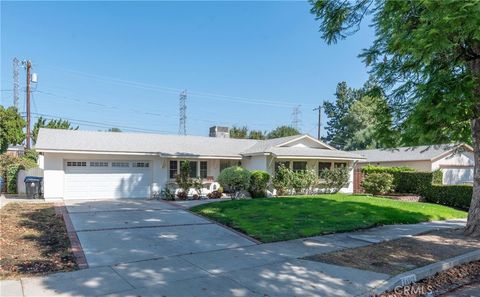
123	64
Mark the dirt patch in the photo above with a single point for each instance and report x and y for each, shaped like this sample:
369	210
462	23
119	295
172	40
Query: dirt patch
445	283
400	255
33	241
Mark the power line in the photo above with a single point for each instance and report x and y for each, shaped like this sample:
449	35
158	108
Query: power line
170	90
182	127
97	124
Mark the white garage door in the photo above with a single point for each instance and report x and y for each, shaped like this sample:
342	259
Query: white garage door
457	175
107	179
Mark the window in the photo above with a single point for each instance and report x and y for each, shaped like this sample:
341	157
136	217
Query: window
98	164
192	170
77	164
299	166
229	163
140	164
278	164
322	166
120	164
173	168
203	169
340	165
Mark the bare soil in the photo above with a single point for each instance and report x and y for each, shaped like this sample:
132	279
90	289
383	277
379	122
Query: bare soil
33	241
400	255
452	282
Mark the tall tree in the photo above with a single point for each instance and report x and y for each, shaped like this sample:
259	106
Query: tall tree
426	54
238	132
282	131
52	124
11	127
257	134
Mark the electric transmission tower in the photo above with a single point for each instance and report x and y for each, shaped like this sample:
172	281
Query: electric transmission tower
182	127
296	117
16	83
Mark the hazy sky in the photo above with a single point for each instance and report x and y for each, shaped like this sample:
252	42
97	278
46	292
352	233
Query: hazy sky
123	64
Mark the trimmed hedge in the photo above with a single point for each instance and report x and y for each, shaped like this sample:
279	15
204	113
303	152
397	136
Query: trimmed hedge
381	169
412	182
458	196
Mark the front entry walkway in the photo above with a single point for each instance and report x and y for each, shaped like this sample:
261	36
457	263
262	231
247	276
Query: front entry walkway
153	248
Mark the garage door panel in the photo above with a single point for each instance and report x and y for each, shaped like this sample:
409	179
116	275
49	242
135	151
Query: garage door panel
106	182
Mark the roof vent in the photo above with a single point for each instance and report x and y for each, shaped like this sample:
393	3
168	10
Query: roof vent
219	132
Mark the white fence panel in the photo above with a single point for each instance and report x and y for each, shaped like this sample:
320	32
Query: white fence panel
21	176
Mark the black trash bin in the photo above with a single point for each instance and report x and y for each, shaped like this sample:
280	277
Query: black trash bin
33	186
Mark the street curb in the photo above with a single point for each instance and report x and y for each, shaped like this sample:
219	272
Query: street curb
418	274
61	210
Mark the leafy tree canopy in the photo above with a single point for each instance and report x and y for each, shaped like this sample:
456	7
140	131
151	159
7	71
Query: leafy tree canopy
282	131
358	118
239	132
114	129
11	127
426	55
52	124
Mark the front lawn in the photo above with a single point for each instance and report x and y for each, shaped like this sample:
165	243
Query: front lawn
277	219
33	241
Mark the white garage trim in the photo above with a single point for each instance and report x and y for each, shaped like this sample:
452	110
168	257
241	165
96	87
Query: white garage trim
107	179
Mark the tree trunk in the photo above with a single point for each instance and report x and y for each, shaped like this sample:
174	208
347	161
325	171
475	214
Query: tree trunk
473	222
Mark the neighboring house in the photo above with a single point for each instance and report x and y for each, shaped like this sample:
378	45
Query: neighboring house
455	160
16	150
103	165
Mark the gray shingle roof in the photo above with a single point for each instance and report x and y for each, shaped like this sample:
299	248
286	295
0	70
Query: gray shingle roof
411	153
173	145
68	140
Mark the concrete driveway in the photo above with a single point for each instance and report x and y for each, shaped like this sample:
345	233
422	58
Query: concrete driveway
121	231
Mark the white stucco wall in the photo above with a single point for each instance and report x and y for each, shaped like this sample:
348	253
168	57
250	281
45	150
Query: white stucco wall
53	176
255	163
460	159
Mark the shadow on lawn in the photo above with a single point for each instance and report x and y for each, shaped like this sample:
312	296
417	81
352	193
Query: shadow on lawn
291	217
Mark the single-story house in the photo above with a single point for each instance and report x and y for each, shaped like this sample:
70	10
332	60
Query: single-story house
454	160
106	165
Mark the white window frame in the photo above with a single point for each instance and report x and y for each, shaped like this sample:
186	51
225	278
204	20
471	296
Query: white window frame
98	164
76	163
146	164
120	164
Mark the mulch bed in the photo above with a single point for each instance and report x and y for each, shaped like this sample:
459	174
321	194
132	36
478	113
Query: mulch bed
33	241
441	283
404	254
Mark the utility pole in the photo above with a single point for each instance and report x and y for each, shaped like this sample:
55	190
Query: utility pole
319	108
28	65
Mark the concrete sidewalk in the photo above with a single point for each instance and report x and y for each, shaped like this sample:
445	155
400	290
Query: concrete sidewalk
272	269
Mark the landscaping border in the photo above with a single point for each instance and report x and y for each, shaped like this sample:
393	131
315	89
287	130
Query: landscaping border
421	273
76	247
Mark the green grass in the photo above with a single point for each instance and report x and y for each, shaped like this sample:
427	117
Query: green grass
287	218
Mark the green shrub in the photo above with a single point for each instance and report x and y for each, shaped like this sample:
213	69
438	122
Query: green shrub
9	167
234	178
281	181
258	183
380	169
437	178
334	179
378	183
412	182
458	196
